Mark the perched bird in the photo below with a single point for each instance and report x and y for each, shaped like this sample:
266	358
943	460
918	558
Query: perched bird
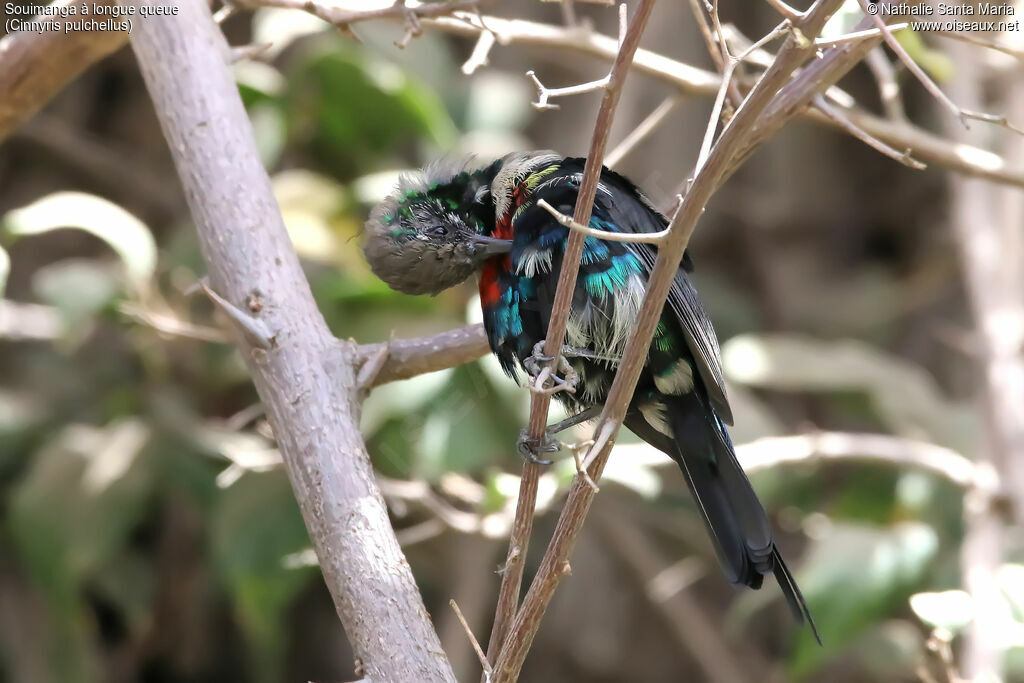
451	220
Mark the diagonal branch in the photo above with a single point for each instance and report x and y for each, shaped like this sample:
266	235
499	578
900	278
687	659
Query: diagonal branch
508	596
731	143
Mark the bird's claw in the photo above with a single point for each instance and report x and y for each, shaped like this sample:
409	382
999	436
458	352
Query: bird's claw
530	447
546	380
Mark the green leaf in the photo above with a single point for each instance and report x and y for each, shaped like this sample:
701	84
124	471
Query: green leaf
126	234
350	110
101	482
77	288
256	527
855	576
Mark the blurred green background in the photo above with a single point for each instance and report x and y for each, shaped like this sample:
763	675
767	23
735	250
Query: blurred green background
147	532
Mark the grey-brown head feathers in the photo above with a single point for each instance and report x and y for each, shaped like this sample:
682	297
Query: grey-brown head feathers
430	233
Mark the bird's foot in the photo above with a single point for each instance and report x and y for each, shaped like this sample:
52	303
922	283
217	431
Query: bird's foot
548	377
530	448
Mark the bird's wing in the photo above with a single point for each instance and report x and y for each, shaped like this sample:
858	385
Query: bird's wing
625	206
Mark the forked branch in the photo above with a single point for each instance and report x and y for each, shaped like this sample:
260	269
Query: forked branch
511	580
793	53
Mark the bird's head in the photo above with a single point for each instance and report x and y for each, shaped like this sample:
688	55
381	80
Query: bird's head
431	232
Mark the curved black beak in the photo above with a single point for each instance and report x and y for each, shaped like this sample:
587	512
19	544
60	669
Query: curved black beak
485	245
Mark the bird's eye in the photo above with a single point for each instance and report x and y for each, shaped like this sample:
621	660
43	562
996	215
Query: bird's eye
440	231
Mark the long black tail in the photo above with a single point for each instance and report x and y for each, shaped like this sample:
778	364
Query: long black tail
739	528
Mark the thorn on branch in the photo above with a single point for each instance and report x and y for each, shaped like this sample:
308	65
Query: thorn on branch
513	554
578	455
255	329
603	439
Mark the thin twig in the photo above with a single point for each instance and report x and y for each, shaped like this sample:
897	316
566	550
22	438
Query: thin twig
933	149
859	133
642	131
544	93
913	66
710	43
888	86
785	10
996	119
857	36
410	12
971	38
251	51
717	47
472	640
716	110
481	51
172	326
607	235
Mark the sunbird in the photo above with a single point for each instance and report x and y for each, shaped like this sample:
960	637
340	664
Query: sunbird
456	218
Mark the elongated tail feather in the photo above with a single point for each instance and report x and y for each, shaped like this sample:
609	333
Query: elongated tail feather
794	598
737	524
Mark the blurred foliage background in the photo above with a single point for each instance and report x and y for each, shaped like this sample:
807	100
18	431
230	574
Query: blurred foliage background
148	534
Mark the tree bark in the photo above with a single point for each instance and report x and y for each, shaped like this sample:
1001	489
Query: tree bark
308	388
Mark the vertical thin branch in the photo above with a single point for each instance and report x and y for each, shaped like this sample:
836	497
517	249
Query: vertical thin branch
795	51
508	596
308	388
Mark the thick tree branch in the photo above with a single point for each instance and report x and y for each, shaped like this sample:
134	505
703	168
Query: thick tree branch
407	358
309	392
